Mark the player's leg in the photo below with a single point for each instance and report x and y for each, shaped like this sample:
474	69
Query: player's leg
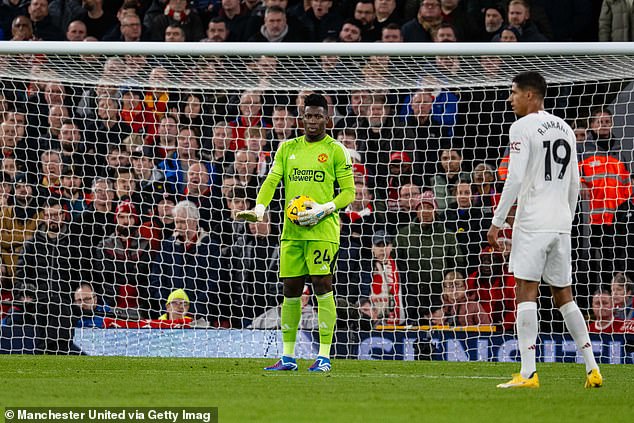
527	324
322	257
527	261
558	274
293	272
576	325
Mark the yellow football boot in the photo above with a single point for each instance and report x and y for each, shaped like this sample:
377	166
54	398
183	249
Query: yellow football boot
594	379
521	382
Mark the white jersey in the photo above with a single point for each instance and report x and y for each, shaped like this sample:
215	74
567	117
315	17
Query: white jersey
543	175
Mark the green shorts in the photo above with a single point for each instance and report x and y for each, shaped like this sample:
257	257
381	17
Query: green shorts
300	258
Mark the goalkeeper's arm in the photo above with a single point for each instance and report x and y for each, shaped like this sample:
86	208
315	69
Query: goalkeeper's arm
265	195
316	212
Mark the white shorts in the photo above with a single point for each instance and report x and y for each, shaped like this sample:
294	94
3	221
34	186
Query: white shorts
542	255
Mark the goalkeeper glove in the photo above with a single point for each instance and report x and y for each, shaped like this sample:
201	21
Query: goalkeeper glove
254	215
314	213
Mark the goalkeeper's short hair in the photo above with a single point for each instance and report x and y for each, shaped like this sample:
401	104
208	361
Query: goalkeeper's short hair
316	100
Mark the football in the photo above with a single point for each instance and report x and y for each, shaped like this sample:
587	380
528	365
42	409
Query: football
295	206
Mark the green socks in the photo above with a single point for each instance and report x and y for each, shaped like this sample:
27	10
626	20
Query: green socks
327	316
291	315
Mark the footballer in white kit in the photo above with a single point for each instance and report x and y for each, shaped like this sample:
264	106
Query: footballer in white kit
544	178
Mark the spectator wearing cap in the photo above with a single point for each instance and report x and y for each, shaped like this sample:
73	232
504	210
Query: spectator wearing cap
493	288
494	19
382	301
401	172
425	250
121	266
509	34
177	307
18	221
176	13
189	260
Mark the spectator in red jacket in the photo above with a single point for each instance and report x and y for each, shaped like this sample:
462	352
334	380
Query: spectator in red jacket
493	288
603	312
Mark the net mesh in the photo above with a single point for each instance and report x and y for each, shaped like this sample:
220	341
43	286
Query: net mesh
98	151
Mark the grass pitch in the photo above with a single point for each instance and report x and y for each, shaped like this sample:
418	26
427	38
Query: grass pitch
356	391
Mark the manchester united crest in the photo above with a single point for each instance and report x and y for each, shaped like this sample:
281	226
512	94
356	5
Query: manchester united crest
323	158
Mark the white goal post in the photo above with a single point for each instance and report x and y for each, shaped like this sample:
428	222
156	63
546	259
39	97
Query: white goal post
102	140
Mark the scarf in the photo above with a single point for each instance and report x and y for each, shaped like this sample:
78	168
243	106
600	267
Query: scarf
354	215
177	16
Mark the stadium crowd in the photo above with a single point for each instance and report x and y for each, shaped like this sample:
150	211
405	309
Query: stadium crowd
118	201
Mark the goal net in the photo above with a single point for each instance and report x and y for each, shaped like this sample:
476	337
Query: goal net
123	168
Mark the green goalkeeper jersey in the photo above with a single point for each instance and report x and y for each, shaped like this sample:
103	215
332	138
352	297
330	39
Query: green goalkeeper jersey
312	169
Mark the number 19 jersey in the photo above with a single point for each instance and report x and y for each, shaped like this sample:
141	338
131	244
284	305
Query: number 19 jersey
543	175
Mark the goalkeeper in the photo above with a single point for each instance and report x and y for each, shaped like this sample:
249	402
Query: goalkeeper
309	165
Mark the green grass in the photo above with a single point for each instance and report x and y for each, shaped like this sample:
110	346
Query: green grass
356	391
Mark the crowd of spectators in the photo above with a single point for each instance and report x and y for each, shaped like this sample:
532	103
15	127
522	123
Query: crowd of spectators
316	20
118	201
